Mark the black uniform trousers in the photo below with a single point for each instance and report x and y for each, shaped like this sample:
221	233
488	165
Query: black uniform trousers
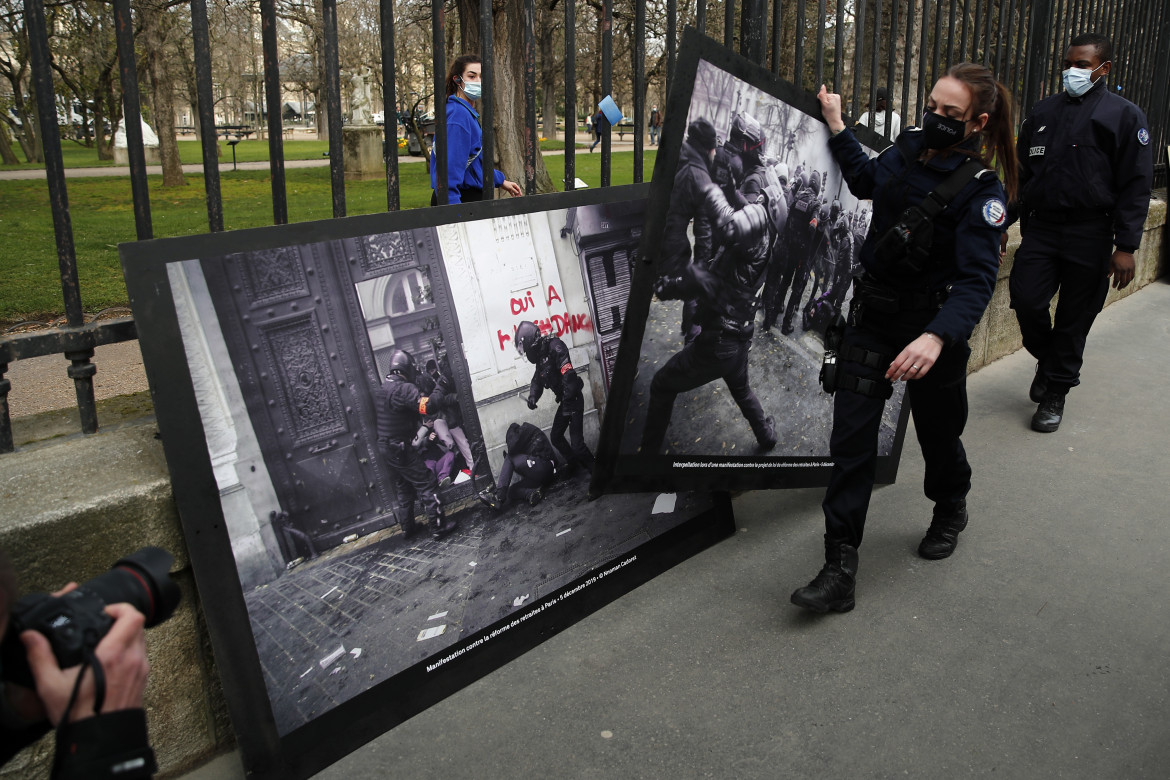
1072	257
714	354
412	479
534	473
938	403
570	416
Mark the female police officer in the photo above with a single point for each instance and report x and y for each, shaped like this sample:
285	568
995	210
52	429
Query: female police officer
913	311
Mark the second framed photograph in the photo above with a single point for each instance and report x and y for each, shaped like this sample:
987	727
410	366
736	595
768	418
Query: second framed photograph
718	381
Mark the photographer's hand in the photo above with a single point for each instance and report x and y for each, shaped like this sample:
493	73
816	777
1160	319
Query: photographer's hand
122	654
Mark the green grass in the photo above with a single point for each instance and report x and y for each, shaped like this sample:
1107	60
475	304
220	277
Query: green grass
74	155
102	216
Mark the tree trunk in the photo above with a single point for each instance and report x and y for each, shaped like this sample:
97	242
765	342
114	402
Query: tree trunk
7	156
508	120
162	94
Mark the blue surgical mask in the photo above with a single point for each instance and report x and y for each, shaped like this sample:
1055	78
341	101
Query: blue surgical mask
473	89
1077	81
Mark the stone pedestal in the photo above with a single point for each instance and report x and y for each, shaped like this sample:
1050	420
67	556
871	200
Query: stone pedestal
122	155
361	152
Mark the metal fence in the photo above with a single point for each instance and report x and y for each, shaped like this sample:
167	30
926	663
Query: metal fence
902	45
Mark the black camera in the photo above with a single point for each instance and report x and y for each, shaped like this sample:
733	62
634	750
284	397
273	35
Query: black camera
77	620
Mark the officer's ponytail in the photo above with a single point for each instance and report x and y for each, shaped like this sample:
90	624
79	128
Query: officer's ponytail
990	97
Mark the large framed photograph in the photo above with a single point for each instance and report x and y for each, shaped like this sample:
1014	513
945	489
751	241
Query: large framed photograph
379	504
749	255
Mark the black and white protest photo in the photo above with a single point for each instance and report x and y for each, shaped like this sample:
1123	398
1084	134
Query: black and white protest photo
400	426
755	258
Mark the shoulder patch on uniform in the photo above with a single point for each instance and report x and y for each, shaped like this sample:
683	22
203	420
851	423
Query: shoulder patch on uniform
1143	136
994	212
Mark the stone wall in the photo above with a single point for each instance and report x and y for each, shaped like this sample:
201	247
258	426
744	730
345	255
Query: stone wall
71	505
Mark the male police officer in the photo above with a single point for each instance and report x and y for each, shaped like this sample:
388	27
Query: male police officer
554	371
727	295
399	406
1086	170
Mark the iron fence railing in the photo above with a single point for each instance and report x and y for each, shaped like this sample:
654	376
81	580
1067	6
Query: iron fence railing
1022	41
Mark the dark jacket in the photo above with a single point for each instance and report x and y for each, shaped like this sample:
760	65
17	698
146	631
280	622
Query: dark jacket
1088	154
554	370
526	439
965	251
686	204
399	405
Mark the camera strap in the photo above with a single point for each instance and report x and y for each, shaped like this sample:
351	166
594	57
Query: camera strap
90	661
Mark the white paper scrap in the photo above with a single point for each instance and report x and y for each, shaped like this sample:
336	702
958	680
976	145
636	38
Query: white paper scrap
562	533
428	633
471	563
438	615
519	600
306	672
664	504
329	591
356	652
332	657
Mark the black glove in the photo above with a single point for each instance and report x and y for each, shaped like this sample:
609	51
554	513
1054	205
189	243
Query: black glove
531	402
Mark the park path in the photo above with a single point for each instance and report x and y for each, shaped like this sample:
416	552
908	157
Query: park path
261	165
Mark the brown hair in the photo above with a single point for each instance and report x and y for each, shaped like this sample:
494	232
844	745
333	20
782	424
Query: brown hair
990	97
456	71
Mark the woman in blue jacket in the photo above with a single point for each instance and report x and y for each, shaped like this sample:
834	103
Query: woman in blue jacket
912	312
465	138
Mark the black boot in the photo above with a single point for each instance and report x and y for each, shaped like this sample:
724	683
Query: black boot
1049	414
444	526
943	534
832	589
1039	387
493	499
766	436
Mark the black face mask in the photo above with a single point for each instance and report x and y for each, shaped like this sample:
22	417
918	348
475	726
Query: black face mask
941	132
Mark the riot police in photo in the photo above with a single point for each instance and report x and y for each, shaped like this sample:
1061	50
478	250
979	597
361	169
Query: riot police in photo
795	251
555	372
399	407
747	214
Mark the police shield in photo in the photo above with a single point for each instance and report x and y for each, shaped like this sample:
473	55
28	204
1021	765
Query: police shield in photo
1086	169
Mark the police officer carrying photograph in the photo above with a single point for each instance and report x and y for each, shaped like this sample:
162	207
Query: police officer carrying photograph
1086	169
727	293
399	407
921	294
554	371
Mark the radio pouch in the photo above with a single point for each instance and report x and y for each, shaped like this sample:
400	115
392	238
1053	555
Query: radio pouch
906	245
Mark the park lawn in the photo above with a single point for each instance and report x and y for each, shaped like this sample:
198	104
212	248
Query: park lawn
102	216
74	155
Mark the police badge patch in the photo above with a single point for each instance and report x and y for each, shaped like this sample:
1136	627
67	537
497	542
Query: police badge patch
994	212
1143	136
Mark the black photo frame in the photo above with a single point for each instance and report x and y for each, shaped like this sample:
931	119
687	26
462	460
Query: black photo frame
709	444
262	348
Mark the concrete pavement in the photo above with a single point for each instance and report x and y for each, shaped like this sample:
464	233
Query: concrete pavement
1037	650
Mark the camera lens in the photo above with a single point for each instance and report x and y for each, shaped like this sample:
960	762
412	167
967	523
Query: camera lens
143	580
